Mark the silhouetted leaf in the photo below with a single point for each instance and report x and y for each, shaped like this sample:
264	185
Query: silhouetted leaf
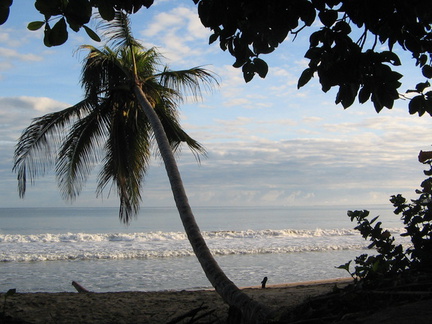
261	67
342	27
58	34
421	86
47	33
328	17
422	60
315	38
35	25
50	7
314	53
427	71
147	3
213	38
391	57
416	105
106	11
428	105
248	71
308	13
239	62
92	34
78	12
4	10
305	77
364	94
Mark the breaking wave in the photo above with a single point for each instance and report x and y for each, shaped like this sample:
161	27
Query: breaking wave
121	246
169	236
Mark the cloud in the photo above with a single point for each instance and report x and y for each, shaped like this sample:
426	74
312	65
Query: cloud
16	113
287	77
9	53
5	38
11	57
176	33
298	172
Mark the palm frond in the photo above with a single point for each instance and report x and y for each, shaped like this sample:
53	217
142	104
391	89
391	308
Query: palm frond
37	146
80	151
148	62
127	157
187	82
103	71
109	123
168	116
118	31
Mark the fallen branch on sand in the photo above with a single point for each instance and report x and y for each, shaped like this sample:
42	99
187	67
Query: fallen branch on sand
79	288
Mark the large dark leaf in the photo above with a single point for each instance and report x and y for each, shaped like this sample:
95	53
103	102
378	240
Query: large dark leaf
421	86
213	38
47	33
79	11
58	34
248	71
391	57
364	94
308	13
342	27
305	77
50	7
416	105
427	71
106	10
328	17
4	10
261	67
147	3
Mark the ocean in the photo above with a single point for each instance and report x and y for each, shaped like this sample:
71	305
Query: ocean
45	249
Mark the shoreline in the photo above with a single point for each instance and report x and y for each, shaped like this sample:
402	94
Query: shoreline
154	306
342	280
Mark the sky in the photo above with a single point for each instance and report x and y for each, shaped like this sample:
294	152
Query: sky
268	143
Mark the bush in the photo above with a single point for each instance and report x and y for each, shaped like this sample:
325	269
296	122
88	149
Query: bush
393	263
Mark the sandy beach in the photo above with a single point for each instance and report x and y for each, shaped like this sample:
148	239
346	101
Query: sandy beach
150	307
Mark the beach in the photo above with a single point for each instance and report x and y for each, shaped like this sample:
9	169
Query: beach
151	307
148	273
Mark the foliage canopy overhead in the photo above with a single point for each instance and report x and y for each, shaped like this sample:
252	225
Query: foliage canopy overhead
352	49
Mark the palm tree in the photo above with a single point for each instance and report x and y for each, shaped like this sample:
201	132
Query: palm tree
128	104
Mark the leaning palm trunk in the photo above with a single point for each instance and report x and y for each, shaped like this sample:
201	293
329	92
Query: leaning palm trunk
251	311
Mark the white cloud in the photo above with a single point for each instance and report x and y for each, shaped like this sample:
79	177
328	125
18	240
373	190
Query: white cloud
16	113
9	53
5	38
287	77
176	33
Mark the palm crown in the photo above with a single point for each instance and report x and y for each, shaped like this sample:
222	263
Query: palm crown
108	125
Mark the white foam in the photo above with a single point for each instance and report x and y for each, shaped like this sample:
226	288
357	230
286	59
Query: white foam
174	236
84	246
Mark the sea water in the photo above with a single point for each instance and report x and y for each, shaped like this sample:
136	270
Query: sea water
45	249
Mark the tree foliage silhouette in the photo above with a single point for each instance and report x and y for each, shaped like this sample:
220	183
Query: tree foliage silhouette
352	50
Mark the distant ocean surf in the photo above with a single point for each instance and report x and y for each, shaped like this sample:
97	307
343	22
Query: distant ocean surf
44	249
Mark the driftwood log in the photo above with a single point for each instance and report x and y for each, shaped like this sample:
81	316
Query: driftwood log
79	288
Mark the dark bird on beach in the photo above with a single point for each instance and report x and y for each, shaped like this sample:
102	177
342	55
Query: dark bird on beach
263	283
